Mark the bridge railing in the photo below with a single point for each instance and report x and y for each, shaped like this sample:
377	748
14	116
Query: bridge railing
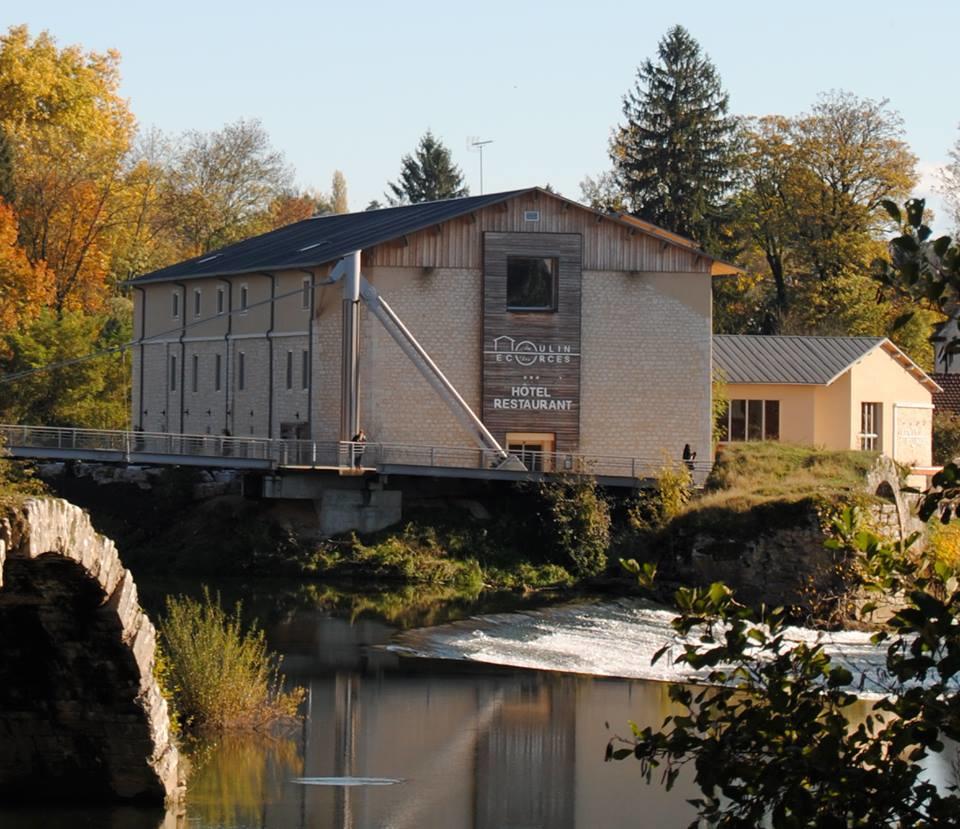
225	449
126	443
459	457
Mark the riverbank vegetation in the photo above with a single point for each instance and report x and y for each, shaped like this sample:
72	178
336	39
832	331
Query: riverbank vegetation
771	740
17	479
217	672
752	488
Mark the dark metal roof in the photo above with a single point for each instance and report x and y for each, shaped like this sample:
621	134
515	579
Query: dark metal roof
748	358
323	239
949	396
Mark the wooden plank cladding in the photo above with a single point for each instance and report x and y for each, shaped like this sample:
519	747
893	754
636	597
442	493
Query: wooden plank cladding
608	245
531	358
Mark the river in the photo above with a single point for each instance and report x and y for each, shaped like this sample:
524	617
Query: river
441	739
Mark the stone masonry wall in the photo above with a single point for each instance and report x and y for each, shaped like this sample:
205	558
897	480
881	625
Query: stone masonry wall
645	379
786	563
81	715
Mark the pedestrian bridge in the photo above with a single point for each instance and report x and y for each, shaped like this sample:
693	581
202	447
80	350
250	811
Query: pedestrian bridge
343	457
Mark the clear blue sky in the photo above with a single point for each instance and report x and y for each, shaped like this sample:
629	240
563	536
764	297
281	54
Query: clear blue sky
352	85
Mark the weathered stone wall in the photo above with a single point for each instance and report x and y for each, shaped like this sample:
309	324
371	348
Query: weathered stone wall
783	560
81	715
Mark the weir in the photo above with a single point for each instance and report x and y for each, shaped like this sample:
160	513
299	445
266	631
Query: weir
81	714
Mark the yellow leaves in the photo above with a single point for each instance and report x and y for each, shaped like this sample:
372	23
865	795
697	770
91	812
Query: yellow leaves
70	132
285	210
43	85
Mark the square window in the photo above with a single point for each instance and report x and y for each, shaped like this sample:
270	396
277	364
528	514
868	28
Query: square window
531	283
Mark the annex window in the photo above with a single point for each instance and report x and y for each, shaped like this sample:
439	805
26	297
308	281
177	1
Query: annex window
221	299
241	371
175	307
217	372
243	299
750	420
871	420
305	369
197	301
531	283
305	294
289	369
173	372
195	372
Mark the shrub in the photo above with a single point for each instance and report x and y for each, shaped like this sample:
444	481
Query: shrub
943	543
218	674
946	436
576	524
674	484
17	478
414	555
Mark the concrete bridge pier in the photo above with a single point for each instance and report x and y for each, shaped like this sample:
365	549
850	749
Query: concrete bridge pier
342	503
81	715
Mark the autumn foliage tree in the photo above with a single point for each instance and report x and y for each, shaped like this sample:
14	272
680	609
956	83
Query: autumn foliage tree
809	222
86	204
25	287
69	131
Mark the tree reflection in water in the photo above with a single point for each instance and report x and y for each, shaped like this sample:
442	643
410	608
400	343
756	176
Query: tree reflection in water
234	775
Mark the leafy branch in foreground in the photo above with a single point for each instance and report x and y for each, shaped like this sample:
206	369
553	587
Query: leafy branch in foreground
772	738
218	674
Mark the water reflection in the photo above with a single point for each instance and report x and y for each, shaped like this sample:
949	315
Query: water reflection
233	778
476	746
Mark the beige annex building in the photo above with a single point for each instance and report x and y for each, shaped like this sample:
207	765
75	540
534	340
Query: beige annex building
563	328
835	392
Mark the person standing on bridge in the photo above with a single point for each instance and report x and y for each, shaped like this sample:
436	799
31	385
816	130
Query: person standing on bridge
358	440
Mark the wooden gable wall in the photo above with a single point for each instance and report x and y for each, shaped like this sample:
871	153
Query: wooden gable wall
607	244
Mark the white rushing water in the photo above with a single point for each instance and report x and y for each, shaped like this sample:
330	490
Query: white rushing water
616	639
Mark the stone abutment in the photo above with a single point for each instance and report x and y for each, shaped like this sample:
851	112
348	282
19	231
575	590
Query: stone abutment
81	714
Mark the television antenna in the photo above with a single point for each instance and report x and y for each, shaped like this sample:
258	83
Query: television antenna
474	144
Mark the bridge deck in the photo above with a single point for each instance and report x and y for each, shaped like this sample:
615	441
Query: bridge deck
270	455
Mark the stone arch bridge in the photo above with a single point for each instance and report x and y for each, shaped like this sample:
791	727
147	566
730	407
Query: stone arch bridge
81	715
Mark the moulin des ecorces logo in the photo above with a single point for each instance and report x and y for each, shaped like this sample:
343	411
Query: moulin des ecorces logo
527	353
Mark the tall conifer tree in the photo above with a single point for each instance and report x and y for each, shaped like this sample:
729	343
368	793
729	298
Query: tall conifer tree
428	175
673	155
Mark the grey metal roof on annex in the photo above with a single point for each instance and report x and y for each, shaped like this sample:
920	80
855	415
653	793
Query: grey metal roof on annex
753	358
323	239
